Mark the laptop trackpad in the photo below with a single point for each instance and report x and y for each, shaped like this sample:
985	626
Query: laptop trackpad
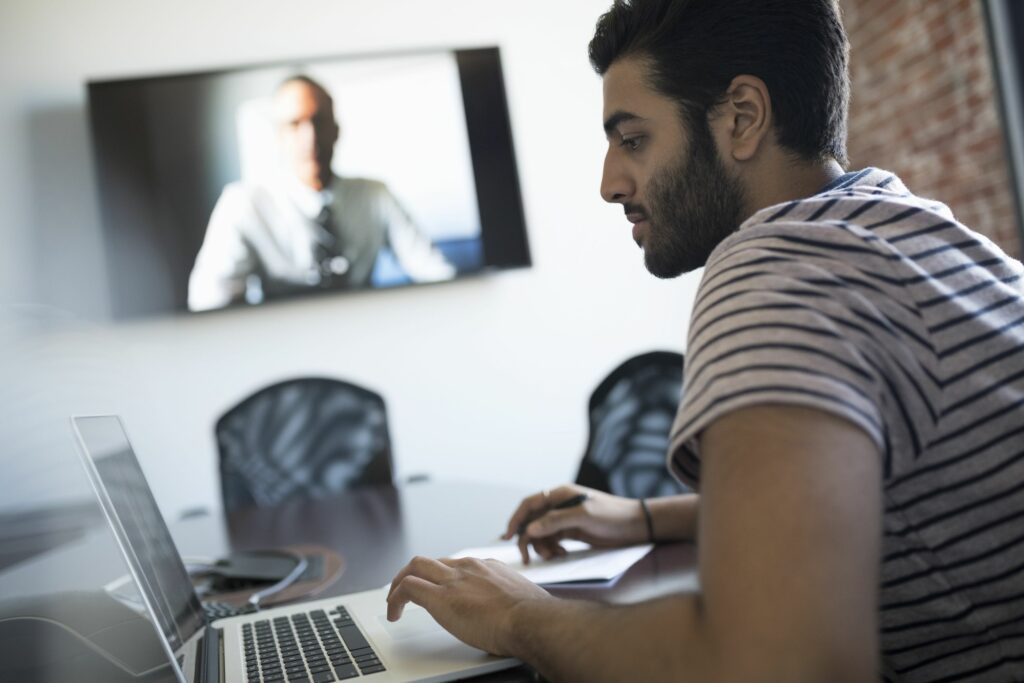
417	639
416	622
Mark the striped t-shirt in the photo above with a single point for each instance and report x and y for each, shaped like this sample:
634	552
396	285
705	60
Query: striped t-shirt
876	305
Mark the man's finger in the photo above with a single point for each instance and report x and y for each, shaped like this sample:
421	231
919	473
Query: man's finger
411	589
549	547
459	562
426	568
529	507
524	547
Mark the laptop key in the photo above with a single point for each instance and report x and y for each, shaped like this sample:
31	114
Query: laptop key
352	637
323	677
346	671
373	670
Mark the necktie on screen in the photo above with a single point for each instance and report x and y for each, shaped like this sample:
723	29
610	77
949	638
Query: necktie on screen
330	265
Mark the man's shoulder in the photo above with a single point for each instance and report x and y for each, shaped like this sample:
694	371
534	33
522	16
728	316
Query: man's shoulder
350	184
835	250
244	193
247	206
852	222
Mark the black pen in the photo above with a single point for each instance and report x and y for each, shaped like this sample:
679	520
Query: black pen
567	503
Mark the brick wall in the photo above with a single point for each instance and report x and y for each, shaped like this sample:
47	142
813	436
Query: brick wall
925	106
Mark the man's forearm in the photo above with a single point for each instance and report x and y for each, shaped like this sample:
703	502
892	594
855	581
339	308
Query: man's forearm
674	518
574	640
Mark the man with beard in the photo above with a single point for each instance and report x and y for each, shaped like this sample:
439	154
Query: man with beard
854	389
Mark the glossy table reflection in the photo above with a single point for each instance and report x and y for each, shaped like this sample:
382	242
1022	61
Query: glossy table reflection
377	531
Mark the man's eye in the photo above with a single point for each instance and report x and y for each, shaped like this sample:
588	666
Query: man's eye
632	142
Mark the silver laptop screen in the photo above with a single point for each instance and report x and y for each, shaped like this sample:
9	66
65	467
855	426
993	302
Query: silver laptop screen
140	528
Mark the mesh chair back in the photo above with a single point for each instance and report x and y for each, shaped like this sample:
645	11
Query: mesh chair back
631	413
302	438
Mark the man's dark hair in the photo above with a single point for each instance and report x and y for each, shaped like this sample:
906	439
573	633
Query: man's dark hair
694	48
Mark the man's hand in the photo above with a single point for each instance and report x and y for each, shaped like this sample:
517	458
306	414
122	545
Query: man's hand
475	600
602	520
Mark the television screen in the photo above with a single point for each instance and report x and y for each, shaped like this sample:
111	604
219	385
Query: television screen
240	187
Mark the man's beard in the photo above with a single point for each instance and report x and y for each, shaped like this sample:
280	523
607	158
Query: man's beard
691	207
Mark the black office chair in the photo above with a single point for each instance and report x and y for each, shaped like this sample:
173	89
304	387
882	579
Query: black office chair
302	438
631	413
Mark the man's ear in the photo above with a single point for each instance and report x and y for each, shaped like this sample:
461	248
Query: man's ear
745	113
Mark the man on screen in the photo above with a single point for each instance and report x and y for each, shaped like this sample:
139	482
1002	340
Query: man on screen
310	228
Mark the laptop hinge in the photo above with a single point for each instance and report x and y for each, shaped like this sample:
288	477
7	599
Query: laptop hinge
209	659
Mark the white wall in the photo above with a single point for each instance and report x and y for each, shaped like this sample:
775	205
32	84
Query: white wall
485	379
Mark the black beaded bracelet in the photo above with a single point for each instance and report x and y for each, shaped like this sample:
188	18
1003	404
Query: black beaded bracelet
647	519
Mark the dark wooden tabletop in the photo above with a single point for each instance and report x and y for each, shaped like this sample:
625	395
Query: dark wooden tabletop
378	530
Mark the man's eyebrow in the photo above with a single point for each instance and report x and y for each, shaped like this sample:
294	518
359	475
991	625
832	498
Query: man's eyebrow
613	121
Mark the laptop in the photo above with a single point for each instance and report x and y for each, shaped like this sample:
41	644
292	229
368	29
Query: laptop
342	638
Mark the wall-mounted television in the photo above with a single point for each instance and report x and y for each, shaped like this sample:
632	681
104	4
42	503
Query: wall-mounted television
245	186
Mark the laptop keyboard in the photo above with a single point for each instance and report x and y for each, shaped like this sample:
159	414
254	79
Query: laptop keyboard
307	648
223	610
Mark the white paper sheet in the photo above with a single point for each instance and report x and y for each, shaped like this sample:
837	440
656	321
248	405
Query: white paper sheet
583	564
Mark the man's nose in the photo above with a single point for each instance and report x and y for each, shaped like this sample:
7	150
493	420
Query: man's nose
616	185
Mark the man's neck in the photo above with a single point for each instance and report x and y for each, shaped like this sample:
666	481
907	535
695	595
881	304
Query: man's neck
788	180
309	201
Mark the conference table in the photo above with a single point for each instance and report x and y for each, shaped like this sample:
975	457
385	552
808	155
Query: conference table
377	530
